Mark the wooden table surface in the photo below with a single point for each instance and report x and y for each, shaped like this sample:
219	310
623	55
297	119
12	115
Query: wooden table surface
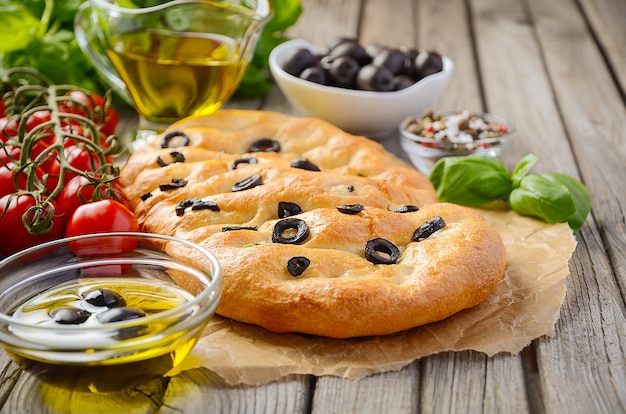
558	70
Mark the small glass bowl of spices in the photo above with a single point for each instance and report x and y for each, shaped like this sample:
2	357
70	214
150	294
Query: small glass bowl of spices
432	136
106	312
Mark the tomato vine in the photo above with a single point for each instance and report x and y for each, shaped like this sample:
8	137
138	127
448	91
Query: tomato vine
43	121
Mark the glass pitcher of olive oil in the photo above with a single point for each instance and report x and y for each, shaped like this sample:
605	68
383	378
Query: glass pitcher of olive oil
177	59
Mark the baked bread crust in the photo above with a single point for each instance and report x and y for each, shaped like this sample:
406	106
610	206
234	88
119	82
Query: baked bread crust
340	292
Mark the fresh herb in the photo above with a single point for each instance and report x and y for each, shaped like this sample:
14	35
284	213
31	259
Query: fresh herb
476	180
40	34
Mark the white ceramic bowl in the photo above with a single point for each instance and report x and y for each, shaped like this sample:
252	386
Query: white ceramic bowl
372	114
424	152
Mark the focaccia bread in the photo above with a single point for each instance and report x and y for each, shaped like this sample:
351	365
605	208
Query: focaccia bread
317	231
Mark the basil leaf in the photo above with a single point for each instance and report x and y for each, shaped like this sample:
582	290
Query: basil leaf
580	195
472	180
522	168
542	197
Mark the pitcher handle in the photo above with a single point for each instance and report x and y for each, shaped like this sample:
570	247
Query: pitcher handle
85	30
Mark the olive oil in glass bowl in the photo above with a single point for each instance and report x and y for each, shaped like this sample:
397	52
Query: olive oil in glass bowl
106	312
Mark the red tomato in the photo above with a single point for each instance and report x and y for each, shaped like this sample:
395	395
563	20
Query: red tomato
37	118
15	237
9	153
75	129
86	105
8	128
102	217
77	188
77	157
7	177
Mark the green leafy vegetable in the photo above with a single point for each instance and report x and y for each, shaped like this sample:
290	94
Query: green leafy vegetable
475	180
40	34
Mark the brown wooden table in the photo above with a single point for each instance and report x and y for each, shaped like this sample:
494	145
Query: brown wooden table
558	69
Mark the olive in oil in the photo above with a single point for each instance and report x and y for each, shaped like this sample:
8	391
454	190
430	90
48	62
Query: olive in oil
105	359
170	76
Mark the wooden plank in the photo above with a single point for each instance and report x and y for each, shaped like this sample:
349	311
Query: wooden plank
608	23
9	375
516	85
468	382
586	357
390	392
32	396
583	368
325	20
593	329
594	115
200	391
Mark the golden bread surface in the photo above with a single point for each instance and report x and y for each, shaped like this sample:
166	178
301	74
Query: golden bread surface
338	289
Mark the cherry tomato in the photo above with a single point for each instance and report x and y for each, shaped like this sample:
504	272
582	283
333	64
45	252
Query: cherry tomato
15	236
77	157
79	130
37	118
83	104
8	128
102	217
10	153
77	188
7	177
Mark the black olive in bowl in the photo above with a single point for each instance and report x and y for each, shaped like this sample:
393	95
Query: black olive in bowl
367	95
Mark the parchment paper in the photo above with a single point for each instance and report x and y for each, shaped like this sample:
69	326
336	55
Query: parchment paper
523	307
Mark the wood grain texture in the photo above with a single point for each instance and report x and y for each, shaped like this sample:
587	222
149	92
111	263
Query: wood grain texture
201	391
469	382
607	19
557	104
595	118
390	392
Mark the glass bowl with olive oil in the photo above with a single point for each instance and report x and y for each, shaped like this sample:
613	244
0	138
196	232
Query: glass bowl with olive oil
106	312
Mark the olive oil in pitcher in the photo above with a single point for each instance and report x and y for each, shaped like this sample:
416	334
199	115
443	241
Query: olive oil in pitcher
172	75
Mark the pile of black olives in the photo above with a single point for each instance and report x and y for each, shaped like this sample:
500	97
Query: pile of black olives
348	64
113	309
